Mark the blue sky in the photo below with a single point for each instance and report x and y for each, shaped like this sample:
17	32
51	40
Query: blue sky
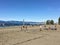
30	10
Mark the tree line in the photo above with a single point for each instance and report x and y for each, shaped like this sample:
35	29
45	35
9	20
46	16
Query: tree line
52	22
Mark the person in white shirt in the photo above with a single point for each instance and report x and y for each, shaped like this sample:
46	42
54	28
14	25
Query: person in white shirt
40	27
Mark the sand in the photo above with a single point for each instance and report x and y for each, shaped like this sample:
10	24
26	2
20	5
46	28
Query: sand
31	36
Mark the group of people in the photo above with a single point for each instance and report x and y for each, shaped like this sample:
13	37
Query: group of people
53	27
23	27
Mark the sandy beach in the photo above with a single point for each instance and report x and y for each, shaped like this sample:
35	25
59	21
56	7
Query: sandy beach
31	36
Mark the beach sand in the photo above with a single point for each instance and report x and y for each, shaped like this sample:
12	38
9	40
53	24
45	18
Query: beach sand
32	36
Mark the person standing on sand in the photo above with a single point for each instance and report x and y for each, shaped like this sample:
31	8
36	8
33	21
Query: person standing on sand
49	27
21	28
55	27
40	28
26	27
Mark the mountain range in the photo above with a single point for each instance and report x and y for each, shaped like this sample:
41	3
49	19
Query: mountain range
17	23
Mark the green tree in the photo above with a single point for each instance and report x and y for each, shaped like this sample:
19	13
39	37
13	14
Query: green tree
48	22
52	22
59	21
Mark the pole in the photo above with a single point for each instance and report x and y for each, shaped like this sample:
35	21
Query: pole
23	23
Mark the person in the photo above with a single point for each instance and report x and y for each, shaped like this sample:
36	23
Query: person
21	28
45	27
26	27
40	28
49	27
55	27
